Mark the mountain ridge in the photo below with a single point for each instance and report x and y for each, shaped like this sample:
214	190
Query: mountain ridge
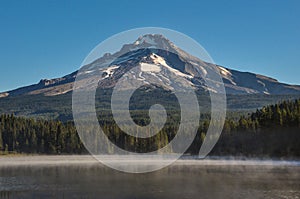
150	49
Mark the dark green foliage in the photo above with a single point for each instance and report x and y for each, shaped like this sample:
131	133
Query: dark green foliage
59	107
23	135
272	131
38	106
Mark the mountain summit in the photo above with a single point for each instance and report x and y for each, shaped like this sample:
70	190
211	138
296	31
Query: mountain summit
156	57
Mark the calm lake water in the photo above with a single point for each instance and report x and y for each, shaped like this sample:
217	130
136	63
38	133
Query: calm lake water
65	177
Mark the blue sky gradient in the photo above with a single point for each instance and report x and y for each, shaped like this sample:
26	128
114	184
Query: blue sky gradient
47	39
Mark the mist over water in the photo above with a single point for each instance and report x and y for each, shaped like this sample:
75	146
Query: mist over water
83	177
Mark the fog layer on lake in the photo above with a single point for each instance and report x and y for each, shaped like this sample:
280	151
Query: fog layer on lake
84	177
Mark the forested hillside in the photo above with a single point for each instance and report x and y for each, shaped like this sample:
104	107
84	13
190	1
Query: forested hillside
60	107
273	131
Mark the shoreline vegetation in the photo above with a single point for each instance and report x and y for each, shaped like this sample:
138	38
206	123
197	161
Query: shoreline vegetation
270	132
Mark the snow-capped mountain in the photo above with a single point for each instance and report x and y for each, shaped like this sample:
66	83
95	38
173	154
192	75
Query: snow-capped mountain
154	57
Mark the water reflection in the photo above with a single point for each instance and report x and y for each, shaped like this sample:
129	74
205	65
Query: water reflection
177	181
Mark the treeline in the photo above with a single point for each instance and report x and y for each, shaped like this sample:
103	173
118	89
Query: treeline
23	135
272	131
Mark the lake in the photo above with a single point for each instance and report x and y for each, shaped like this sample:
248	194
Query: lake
83	177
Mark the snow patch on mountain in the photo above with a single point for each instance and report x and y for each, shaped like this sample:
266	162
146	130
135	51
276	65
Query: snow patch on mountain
89	71
158	60
110	70
141	77
145	67
202	72
225	72
161	61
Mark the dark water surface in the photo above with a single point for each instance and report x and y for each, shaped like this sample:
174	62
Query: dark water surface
182	181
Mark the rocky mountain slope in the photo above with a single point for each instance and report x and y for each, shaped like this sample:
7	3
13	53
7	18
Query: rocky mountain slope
155	57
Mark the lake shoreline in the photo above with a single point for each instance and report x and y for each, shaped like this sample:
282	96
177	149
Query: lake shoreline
59	160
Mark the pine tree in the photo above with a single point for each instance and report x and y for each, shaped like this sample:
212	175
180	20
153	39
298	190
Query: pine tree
1	141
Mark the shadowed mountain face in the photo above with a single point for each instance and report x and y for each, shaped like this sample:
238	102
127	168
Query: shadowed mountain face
156	57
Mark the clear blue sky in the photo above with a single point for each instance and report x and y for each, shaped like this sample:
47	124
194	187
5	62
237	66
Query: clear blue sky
47	39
